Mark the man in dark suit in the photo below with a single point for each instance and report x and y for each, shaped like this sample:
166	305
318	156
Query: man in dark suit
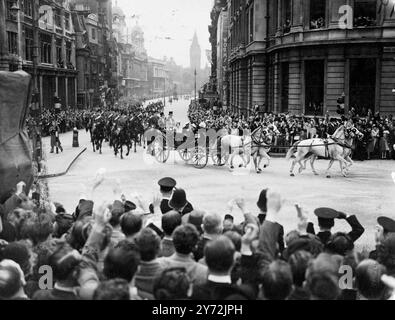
167	186
326	221
219	256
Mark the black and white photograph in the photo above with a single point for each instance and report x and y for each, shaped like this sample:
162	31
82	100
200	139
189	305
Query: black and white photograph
197	154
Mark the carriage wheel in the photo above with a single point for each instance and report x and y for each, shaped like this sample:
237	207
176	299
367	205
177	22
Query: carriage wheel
219	159
200	158
160	151
185	154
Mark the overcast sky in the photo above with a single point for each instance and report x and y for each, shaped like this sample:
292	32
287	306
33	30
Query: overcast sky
177	19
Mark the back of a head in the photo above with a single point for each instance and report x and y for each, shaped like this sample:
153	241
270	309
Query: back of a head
131	224
172	284
368	279
322	277
219	254
18	252
115	289
10	281
64	262
37	228
122	261
212	223
339	243
185	239
277	281
235	237
149	244
170	221
299	262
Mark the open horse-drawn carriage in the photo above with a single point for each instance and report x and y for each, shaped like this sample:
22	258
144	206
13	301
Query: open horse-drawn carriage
198	147
192	147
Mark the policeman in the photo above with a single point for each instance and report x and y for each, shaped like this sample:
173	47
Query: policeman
167	186
326	221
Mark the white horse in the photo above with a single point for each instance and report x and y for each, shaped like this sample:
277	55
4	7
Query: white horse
337	148
236	145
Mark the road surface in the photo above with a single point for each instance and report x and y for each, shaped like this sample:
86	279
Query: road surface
368	192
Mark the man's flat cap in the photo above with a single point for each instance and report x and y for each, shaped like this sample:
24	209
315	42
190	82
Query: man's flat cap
387	223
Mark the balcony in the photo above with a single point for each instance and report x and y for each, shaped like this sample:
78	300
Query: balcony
335	35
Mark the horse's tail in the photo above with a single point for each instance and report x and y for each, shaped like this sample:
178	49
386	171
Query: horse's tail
292	151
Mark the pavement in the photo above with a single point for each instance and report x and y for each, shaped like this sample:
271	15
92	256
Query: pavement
59	164
368	192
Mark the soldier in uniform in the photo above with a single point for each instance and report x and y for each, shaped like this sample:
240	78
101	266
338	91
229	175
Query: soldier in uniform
326	221
55	142
167	186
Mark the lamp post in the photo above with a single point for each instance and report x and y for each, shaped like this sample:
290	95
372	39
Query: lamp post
15	9
195	85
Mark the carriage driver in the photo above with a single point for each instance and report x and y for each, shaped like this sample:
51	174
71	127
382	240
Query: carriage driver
170	122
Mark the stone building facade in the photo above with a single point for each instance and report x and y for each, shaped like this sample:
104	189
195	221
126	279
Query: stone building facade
38	36
300	56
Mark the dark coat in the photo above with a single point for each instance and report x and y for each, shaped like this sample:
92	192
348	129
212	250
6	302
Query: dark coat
220	291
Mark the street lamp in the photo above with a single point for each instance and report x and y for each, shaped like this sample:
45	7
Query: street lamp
16	11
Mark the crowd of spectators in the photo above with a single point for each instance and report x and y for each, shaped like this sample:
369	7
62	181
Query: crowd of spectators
118	250
378	130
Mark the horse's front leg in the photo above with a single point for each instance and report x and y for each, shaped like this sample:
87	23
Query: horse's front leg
293	167
268	158
312	160
121	152
233	154
343	165
329	167
256	164
135	146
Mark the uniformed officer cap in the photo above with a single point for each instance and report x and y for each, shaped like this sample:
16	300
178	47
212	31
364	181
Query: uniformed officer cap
326	217
167	184
387	223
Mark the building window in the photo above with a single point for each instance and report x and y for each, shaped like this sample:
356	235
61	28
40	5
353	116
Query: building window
57	18
67	21
317	14
251	24
28	8
59	59
93	33
12	42
68	52
362	85
46	48
365	13
287	16
11	15
100	36
284	86
314	80
29	43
